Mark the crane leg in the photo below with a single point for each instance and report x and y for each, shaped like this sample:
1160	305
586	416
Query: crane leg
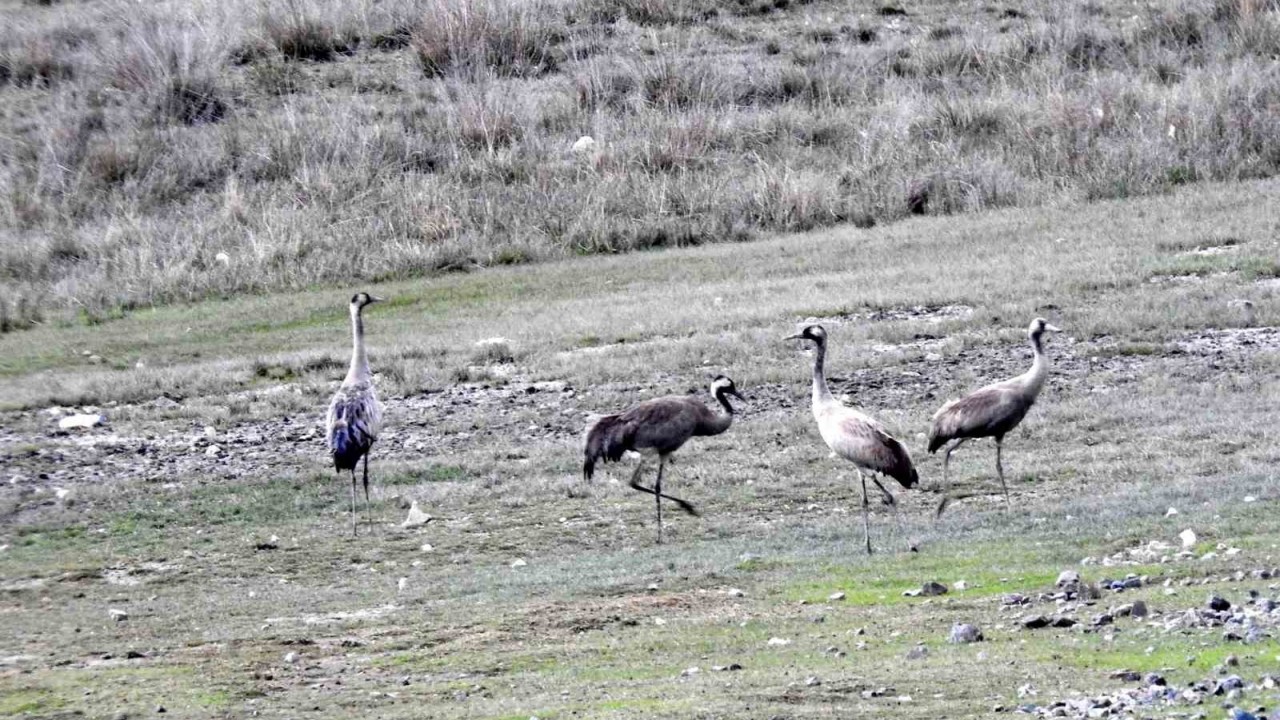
353	502
685	506
368	507
866	513
946	478
897	516
1000	471
657	495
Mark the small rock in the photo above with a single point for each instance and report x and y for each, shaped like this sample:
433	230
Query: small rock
932	589
1188	538
1126	675
735	592
1034	622
81	421
918	652
1231	661
1242	714
117	614
402	584
960	585
835	597
583	144
1062	621
1068	577
778	642
812	681
213	451
1139	609
518	563
426	547
416	517
689	671
1154	679
1227	684
1171	512
1218	604
291	657
964	633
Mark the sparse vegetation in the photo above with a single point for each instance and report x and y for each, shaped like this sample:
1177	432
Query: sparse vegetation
313	141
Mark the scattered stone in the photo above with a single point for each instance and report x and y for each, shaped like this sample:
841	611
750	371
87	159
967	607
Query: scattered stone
932	589
402	584
778	642
1126	675
1188	538
735	592
291	657
1034	622
1138	609
1171	512
964	633
960	585
835	597
1062	621
518	563
1227	684
1218	604
81	421
583	144
1067	578
689	671
812	681
1154	679
117	614
918	652
416	517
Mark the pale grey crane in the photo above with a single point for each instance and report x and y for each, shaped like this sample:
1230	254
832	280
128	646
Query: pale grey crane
658	427
855	436
991	411
355	415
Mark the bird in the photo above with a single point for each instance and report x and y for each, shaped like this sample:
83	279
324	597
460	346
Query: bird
991	411
658	427
855	436
355	415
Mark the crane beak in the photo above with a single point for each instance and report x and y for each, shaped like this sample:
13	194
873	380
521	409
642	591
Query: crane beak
793	337
1052	328
375	299
736	394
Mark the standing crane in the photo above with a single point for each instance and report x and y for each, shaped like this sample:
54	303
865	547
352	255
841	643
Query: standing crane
355	415
856	437
991	411
658	427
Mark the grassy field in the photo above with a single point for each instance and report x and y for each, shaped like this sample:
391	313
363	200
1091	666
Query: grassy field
244	594
181	151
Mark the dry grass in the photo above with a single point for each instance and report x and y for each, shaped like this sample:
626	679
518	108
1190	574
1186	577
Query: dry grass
318	142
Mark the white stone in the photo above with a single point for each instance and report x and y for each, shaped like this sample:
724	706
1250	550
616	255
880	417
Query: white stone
416	517
778	642
583	144
402	584
81	421
518	563
1171	512
222	258
836	596
291	657
117	614
1188	538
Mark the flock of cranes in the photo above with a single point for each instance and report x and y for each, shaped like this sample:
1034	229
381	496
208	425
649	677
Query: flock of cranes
662	426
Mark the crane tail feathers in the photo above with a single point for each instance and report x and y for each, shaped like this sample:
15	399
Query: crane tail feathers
607	440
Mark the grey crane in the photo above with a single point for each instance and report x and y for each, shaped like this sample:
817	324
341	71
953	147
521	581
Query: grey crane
355	415
991	411
658	427
855	436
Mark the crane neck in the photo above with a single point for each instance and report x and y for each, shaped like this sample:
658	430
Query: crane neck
722	397
821	394
359	369
1039	366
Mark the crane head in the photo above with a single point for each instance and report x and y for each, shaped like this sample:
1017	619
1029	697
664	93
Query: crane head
723	384
1039	326
813	332
360	299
